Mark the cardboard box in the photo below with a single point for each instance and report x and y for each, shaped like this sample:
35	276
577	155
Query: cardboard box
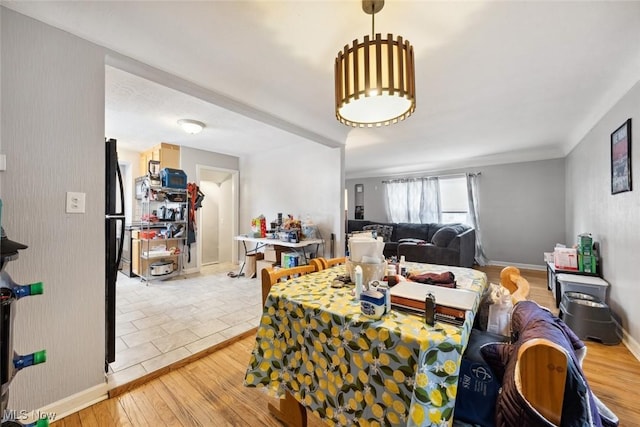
270	254
262	264
587	263
566	258
250	267
585	244
273	253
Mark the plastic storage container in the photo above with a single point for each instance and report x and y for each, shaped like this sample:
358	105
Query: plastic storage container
584	284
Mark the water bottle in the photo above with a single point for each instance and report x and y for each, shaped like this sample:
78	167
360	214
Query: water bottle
402	268
359	286
11	362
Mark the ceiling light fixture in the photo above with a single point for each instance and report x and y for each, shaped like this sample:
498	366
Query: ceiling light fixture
375	79
191	126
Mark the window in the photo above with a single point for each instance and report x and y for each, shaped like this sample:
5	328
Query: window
454	200
448	199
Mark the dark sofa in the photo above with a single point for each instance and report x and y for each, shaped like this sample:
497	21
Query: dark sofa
454	244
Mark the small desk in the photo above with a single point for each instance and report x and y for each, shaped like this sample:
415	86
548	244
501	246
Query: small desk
261	242
314	344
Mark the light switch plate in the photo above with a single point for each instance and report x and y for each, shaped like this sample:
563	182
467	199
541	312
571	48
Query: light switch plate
75	202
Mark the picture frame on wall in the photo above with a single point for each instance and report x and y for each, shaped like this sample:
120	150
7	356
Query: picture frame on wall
621	158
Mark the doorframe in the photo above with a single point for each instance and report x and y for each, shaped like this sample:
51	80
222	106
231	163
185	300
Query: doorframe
235	208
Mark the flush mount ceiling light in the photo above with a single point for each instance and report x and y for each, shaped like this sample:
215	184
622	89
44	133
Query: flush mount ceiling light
191	126
375	79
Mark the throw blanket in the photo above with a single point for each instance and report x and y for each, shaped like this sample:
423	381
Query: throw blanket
445	279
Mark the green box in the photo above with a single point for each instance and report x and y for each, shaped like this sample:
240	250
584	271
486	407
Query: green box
587	263
585	244
585	250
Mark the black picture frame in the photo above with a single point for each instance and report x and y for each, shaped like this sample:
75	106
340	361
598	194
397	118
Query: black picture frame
621	159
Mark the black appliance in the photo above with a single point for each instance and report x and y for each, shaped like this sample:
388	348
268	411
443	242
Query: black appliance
114	241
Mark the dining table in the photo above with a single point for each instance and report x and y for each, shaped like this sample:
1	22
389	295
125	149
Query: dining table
314	347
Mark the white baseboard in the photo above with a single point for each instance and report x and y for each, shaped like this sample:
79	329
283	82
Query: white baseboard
631	344
76	402
191	270
523	266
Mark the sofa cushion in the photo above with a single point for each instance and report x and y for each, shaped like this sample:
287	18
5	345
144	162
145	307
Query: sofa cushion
411	231
444	236
381	230
415	241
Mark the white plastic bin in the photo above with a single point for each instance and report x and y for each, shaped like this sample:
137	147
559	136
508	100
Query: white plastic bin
585	284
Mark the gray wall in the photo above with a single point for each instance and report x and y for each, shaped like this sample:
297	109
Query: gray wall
521	208
52	132
614	220
53	136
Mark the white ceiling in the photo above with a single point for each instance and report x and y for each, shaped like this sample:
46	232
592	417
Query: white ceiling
496	81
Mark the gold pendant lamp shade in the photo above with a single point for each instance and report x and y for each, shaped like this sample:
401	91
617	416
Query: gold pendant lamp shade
375	79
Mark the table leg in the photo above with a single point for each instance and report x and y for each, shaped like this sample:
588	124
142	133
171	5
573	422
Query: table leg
291	413
244	261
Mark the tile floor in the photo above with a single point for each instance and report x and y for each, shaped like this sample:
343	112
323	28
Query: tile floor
165	321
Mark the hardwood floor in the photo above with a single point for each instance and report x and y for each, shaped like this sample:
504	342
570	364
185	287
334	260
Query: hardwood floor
209	391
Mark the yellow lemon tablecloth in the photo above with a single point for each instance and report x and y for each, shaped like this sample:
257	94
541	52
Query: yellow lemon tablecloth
352	370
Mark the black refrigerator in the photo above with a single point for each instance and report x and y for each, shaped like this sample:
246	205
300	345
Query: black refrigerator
114	240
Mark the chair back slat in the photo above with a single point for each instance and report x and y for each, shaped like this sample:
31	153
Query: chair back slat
322	263
270	276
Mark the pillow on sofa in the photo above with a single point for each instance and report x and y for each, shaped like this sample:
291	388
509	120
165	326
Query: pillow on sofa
415	241
444	236
383	231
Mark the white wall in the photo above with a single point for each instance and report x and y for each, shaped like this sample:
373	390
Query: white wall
225	231
614	220
521	208
131	159
53	137
301	183
210	222
190	158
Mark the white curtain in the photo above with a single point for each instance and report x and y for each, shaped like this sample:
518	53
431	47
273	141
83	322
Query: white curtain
413	200
430	204
397	202
472	193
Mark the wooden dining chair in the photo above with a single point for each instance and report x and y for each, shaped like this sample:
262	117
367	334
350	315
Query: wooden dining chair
322	263
272	276
542	375
517	285
542	364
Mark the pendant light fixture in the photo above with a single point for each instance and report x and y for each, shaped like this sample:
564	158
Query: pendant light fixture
375	79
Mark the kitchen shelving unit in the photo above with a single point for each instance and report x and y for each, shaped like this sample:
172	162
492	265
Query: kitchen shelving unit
163	232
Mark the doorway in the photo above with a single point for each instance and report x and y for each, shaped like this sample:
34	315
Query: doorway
217	217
